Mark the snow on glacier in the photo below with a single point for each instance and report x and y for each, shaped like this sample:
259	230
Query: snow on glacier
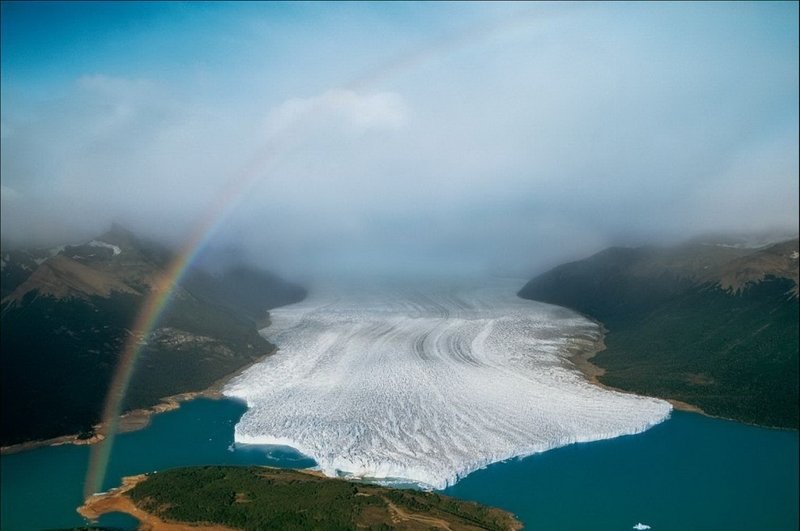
114	249
428	385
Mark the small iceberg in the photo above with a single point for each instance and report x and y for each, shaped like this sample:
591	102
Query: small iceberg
641	527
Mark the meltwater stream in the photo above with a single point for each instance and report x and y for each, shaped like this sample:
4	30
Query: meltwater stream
427	384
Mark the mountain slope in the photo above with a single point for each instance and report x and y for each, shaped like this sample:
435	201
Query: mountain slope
17	265
714	326
61	277
63	326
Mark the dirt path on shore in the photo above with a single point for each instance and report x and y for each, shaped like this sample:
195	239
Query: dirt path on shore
399	515
581	359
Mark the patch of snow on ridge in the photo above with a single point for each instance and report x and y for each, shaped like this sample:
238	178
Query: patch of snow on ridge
428	385
114	248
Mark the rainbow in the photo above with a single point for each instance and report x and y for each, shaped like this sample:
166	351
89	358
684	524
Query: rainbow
232	194
156	302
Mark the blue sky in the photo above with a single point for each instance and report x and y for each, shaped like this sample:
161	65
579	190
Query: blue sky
48	45
477	135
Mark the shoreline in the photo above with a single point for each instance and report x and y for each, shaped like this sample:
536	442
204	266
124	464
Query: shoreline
138	419
581	352
116	501
581	359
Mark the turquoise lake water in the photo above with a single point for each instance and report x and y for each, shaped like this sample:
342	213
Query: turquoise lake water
691	472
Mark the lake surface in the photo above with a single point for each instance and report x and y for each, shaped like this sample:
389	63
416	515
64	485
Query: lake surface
42	488
691	472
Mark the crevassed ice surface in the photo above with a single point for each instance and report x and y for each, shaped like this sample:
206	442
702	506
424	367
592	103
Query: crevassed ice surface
428	385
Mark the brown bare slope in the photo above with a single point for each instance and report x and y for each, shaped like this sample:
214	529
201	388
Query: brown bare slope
778	261
62	277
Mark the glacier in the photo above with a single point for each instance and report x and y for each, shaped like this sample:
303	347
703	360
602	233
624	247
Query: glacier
427	384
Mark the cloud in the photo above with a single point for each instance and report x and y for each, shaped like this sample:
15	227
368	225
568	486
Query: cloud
508	152
7	193
362	112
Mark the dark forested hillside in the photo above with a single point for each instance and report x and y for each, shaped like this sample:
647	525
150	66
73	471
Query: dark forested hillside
67	314
713	326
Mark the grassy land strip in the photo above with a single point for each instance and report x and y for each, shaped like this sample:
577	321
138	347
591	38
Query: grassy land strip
267	498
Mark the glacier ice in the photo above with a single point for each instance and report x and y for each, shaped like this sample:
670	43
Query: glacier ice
428	385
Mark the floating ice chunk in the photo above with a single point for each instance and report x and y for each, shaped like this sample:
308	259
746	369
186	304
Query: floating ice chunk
427	386
641	527
96	243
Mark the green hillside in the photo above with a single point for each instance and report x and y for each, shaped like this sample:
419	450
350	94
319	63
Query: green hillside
65	319
265	498
716	327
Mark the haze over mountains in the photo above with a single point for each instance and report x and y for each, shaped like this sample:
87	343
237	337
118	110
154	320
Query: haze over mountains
494	136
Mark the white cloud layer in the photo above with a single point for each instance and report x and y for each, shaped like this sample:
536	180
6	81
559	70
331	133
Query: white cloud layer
362	112
509	150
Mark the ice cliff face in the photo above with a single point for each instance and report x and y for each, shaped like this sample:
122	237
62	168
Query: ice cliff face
428	385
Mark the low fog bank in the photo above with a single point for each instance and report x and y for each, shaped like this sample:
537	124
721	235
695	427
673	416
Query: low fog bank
388	261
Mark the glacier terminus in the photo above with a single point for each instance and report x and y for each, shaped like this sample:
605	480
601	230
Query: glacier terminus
427	384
